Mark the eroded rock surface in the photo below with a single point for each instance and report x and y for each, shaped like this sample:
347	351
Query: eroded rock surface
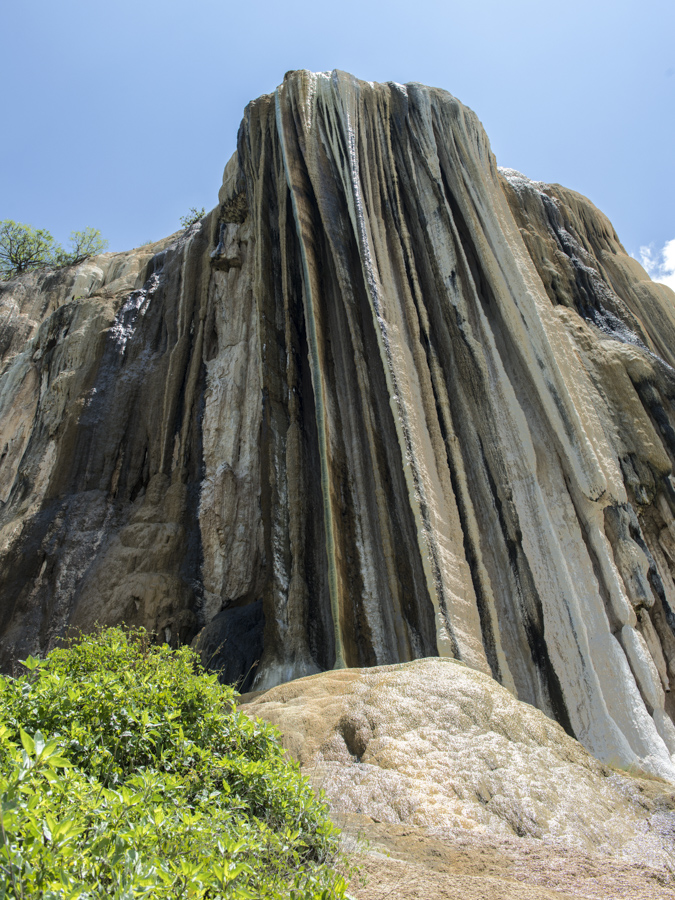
435	743
469	788
418	863
385	402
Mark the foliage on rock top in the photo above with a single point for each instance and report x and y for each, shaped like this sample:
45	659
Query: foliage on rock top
193	216
126	771
83	244
23	248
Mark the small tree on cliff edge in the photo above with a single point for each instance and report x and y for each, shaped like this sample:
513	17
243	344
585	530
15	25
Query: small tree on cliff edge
23	247
83	245
194	215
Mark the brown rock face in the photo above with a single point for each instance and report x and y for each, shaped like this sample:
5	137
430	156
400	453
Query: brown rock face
384	402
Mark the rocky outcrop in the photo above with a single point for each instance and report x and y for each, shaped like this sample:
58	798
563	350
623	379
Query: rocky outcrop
385	402
100	406
439	746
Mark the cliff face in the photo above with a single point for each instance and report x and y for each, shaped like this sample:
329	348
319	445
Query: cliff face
386	401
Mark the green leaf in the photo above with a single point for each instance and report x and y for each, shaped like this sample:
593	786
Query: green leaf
30	663
38	743
59	762
27	741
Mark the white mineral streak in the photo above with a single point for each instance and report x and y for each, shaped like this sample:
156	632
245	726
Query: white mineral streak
134	306
445	583
605	706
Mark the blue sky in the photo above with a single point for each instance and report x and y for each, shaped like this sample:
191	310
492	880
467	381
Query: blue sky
122	115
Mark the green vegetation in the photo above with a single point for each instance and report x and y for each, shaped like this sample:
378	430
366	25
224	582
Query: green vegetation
126	771
83	244
194	215
23	247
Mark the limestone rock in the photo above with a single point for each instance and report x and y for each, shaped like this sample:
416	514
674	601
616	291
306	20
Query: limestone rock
385	402
435	744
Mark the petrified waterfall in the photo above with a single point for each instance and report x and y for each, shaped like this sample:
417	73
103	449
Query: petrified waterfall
386	401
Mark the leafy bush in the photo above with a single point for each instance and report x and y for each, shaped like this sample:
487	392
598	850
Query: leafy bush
126	771
193	216
83	244
23	247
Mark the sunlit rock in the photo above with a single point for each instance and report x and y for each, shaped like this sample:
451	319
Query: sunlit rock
385	402
435	744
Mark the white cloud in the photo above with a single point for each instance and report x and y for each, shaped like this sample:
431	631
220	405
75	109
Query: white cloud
660	264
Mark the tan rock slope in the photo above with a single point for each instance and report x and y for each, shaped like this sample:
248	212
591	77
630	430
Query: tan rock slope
462	791
435	743
384	402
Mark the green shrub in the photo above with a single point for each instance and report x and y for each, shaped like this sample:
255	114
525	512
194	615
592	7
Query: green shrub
23	248
83	244
193	216
127	771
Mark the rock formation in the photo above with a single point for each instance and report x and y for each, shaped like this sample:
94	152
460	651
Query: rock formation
439	746
384	402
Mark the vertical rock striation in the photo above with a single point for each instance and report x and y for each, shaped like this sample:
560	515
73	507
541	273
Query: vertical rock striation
385	402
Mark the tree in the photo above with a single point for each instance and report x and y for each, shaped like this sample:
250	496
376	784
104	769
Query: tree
194	215
23	247
83	245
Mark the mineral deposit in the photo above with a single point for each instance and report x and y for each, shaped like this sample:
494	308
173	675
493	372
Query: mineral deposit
386	401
